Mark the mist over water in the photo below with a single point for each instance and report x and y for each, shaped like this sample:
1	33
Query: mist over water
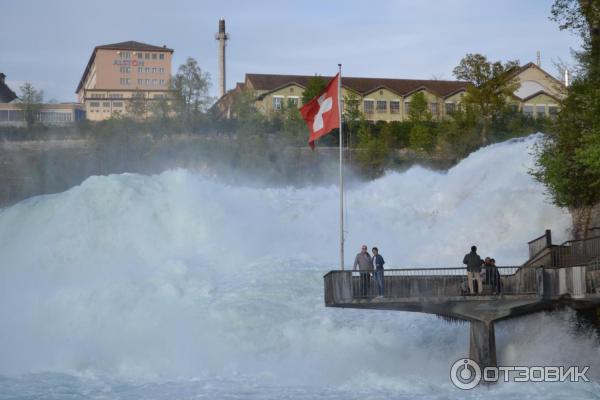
180	286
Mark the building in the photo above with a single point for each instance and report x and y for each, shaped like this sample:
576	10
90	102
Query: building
382	99
539	93
379	99
49	114
124	78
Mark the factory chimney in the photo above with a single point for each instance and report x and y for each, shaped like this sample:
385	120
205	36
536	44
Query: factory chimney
222	37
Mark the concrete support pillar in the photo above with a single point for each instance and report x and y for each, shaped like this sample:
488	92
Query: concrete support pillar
482	347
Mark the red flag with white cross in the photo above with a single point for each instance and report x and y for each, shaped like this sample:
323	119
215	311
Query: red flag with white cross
322	113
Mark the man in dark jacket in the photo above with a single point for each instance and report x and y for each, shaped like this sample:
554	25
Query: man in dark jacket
473	263
378	267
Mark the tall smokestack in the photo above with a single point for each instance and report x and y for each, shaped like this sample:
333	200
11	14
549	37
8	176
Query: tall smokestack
567	78
539	59
222	37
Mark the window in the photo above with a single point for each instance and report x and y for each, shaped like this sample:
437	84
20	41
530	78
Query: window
125	54
154	82
395	107
528	110
162	70
125	70
159	96
116	95
140	69
553	111
277	102
293	101
147	81
433	109
381	106
154	56
147	56
97	95
148	69
368	106
139	55
140	81
162	81
161	56
540	110
117	104
124	81
450	108
94	104
106	104
406	107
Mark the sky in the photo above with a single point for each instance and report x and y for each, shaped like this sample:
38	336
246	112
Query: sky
48	43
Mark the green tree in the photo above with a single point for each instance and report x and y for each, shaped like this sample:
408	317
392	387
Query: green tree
190	86
137	106
491	88
373	150
568	158
314	87
30	102
417	108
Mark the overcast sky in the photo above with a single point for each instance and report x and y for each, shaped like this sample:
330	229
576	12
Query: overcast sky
49	43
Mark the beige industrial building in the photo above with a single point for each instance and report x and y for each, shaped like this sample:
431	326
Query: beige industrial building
119	75
388	99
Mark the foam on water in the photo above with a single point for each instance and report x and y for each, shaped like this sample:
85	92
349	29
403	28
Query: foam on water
176	285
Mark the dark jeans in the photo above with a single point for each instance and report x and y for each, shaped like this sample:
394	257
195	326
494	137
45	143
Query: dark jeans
364	284
378	275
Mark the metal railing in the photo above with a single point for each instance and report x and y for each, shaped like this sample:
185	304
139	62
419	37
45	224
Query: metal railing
576	252
419	283
540	243
592	277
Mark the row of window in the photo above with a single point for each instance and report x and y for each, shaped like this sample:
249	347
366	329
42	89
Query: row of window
103	96
148	70
153	70
54	116
539	110
146	56
291	101
151	82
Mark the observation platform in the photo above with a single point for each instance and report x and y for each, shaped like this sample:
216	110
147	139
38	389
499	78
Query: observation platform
554	276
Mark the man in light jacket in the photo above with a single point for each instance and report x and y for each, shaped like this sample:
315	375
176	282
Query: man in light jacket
364	264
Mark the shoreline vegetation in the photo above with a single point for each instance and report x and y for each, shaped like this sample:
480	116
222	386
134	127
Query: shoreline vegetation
44	160
254	148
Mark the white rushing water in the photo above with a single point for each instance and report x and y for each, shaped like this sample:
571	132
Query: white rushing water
178	286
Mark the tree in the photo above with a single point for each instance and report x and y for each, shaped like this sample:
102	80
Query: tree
417	108
568	158
491	88
314	87
30	103
191	86
137	106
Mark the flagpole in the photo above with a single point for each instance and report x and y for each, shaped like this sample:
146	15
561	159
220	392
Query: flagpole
341	170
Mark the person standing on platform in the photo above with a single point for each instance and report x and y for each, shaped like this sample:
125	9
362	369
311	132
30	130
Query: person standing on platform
473	263
364	263
378	271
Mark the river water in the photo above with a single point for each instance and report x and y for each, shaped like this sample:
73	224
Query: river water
180	286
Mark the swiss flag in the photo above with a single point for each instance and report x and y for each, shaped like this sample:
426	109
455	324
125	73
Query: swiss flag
322	113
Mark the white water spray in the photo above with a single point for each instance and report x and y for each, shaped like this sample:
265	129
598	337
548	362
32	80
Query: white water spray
176	276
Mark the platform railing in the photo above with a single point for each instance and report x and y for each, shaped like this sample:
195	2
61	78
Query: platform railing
540	243
592	277
576	252
417	283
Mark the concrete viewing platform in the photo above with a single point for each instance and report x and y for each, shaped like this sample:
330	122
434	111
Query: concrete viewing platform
554	276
